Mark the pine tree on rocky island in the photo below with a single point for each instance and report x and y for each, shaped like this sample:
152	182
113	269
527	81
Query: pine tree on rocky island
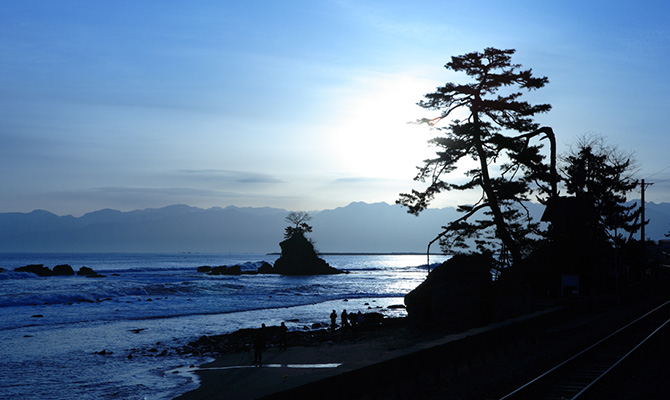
298	221
298	256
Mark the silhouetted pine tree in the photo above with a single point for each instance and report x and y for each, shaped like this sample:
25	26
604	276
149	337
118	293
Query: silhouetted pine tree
495	131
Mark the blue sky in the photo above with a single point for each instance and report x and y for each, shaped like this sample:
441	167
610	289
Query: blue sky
301	105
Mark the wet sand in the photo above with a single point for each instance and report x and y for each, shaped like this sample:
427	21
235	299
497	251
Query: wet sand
233	376
486	375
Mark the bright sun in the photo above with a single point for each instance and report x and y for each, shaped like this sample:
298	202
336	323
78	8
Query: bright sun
373	137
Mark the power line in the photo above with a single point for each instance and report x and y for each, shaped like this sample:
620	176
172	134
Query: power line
658	172
664	180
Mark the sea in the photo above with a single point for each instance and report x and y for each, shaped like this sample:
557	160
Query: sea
114	337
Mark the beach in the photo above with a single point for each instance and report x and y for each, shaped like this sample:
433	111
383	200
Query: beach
117	336
394	360
309	357
234	376
385	360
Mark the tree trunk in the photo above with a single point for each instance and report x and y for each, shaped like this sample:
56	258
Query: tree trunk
498	219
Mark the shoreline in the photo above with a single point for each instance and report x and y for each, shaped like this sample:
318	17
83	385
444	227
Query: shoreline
390	358
410	253
310	355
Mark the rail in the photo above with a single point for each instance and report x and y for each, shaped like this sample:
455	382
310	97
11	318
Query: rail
574	376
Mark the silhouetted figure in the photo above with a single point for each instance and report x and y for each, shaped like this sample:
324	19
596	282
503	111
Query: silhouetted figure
345	319
333	321
283	330
360	318
259	346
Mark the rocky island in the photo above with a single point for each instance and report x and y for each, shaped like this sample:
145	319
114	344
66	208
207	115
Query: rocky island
298	257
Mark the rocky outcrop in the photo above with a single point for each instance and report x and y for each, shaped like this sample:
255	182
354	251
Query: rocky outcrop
63	270
266	268
38	269
224	270
299	258
456	295
58	270
88	272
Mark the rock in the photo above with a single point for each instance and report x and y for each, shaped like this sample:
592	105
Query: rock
266	268
234	270
220	270
37	316
38	269
205	269
372	318
86	271
63	270
89	273
299	258
396	306
458	294
224	270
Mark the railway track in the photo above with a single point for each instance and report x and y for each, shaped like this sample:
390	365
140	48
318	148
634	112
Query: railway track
576	375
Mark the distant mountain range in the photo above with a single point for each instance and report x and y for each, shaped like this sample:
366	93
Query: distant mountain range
358	228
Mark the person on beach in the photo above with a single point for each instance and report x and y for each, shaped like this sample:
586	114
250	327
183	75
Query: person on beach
345	319
333	321
283	330
259	346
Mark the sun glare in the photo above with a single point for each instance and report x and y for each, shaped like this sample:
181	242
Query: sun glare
373	136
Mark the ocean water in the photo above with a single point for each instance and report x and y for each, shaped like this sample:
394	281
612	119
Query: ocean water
52	328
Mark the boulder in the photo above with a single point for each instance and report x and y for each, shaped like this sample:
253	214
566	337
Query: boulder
205	269
456	295
88	272
38	269
299	258
224	270
372	318
234	270
266	268
63	270
218	270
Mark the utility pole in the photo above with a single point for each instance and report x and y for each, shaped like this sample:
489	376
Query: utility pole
643	186
643	223
642	214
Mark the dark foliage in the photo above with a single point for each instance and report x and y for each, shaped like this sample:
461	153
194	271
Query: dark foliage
509	168
601	175
299	220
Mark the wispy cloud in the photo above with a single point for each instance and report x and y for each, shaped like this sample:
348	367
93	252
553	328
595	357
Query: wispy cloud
229	175
162	191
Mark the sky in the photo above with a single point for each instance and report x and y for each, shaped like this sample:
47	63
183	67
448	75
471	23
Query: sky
302	105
